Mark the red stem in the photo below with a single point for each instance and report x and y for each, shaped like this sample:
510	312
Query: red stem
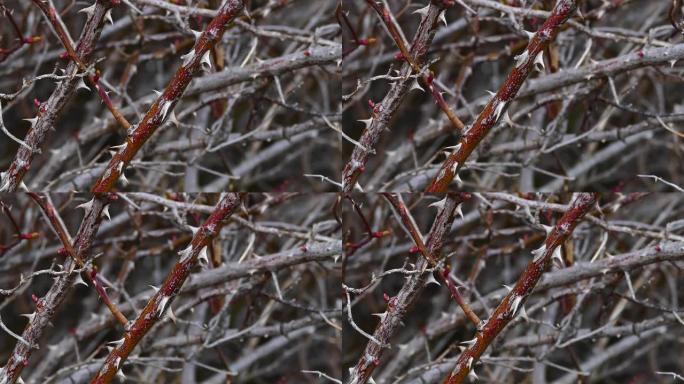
498	104
161	301
165	103
515	299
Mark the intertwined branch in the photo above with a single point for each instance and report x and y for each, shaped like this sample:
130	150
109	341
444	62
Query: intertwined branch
526	62
50	111
565	291
552	98
196	252
256	272
234	110
383	112
515	299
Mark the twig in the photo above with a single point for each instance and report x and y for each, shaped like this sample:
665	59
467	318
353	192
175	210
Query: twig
58	226
497	105
47	306
399	305
384	111
163	107
51	110
513	303
162	299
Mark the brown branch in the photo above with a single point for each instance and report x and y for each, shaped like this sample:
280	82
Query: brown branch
91	274
161	301
52	16
165	103
515	299
398	306
442	271
383	112
497	105
47	306
50	111
426	77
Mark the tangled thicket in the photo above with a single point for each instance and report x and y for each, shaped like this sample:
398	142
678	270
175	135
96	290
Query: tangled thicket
349	192
262	105
258	308
601	106
607	310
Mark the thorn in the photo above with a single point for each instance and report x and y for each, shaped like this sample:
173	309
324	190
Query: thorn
108	16
438	204
165	109
417	86
521	58
431	280
523	313
29	316
203	258
174	119
539	62
79	280
367	122
105	212
206	61
516	303
529	34
187	252
162	303
499	109
539	253
87	206
82	85
459	211
171	315
455	147
469	363
88	10
117	343
120	147
33	121
442	18
422	11
187	58
454	168
382	316
557	255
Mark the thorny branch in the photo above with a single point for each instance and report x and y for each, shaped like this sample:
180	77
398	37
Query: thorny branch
611	284
242	294
262	96
573	109
156	307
